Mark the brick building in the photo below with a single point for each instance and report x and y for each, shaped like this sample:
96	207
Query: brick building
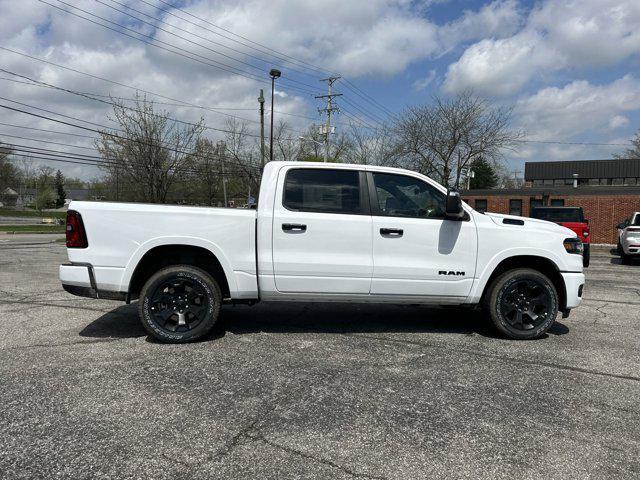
607	190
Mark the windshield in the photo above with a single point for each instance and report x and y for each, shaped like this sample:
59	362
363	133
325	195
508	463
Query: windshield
560	214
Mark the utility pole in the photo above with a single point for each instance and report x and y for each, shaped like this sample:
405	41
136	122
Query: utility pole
328	109
221	147
261	102
515	178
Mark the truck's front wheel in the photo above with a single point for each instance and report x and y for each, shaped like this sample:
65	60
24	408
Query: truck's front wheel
522	303
179	304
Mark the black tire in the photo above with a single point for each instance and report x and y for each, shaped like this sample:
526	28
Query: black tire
513	292
626	259
619	248
179	304
586	257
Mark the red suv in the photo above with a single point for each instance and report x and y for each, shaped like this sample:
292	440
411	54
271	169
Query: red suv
570	217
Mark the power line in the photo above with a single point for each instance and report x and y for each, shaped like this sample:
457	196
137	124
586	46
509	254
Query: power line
89	97
57	155
47	141
282	56
110	134
207	61
264	49
120	84
163	22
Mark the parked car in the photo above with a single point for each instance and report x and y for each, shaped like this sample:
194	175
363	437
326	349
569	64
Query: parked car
629	238
570	217
321	233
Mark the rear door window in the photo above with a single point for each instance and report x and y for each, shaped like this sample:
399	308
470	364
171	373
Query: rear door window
322	190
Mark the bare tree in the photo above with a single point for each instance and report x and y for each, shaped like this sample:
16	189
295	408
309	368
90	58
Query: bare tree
368	146
240	152
149	154
634	151
444	138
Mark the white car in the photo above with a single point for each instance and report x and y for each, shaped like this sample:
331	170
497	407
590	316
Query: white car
629	238
322	233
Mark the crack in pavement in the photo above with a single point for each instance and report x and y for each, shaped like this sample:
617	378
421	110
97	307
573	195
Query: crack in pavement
604	314
235	441
261	438
66	344
500	357
43	304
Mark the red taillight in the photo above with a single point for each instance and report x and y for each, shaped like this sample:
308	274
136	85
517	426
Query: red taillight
585	232
76	236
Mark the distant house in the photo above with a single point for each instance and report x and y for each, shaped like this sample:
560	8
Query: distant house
9	197
76	194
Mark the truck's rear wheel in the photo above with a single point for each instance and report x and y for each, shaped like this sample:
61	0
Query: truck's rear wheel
179	304
522	303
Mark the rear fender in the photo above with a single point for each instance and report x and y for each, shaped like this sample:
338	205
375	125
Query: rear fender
177	240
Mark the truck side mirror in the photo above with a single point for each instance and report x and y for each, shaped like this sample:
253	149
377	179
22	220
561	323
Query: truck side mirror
453	208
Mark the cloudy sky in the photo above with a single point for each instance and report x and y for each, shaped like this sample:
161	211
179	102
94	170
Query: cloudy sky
570	68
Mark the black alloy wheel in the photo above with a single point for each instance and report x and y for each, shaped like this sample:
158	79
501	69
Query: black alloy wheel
526	304
522	303
179	304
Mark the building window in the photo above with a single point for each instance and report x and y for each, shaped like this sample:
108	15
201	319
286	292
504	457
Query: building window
630	181
559	182
548	182
481	205
617	181
537	183
557	202
536	202
515	207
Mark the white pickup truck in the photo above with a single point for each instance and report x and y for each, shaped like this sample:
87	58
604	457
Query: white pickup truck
323	232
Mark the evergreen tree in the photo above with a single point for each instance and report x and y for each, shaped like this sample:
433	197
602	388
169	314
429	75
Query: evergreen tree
485	174
60	192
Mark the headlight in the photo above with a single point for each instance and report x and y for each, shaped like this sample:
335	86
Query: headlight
573	245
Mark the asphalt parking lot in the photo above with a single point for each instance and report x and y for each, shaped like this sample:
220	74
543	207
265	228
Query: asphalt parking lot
313	391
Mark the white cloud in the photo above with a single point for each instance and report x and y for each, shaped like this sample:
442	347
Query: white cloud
497	19
423	83
576	108
618	121
558	34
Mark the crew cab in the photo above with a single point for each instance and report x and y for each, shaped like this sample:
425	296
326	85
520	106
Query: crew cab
320	233
570	217
629	238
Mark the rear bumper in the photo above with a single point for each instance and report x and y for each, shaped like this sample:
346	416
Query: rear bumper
574	286
79	279
631	246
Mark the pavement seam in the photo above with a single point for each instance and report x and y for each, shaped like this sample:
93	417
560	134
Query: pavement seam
43	304
261	438
501	357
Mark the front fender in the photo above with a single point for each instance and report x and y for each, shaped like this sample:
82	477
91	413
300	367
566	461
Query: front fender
483	276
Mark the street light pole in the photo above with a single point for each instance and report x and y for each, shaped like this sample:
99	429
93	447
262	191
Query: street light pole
274	73
261	102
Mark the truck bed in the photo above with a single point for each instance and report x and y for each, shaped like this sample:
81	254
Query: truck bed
120	234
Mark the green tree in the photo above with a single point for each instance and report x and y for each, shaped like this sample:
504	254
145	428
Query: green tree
45	198
60	192
634	151
9	175
485	175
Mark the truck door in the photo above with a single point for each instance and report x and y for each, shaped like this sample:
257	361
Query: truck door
322	238
416	252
